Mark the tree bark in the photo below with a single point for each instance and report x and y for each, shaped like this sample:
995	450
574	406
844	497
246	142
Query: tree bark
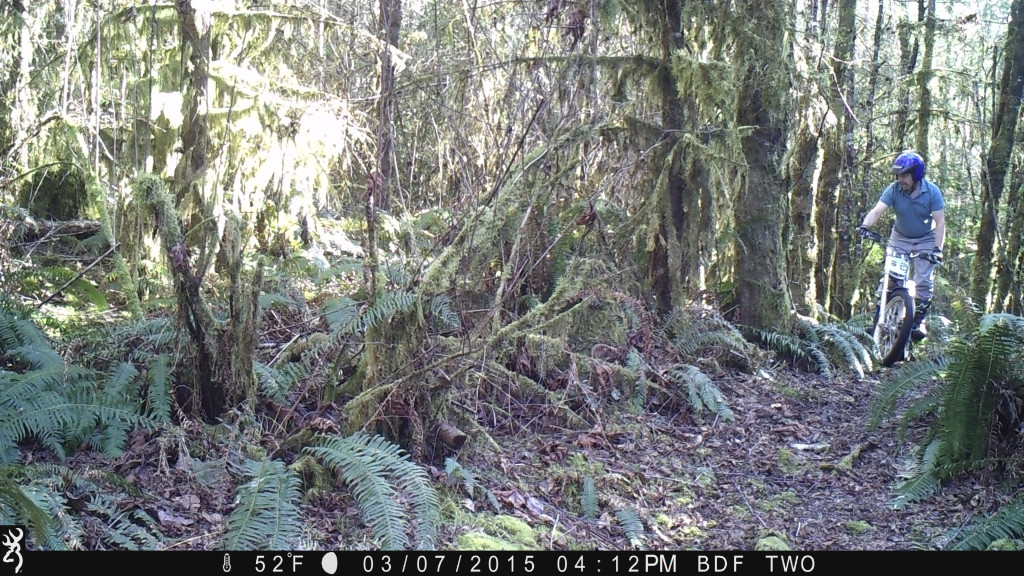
839	156
924	77
869	99
800	236
1008	274
212	374
908	43
996	163
681	240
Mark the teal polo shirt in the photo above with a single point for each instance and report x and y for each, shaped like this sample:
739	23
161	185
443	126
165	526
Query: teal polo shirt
914	215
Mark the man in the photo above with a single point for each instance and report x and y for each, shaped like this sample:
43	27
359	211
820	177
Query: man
920	226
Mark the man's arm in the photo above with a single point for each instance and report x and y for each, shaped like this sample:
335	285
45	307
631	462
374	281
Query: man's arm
939	217
872	217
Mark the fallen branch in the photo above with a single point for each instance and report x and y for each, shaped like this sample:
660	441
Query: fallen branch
77	276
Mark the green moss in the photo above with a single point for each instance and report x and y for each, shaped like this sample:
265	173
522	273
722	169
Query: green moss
705	478
858	526
516	528
499	533
771	544
1003	544
584	466
789	462
778	503
483	541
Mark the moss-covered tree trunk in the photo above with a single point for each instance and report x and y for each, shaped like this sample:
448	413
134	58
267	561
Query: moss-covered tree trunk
219	373
1008	275
924	78
22	112
762	54
684	202
908	44
394	407
995	164
868	122
802	254
849	200
12	17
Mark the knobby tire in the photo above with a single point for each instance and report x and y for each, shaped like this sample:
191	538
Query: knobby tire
894	325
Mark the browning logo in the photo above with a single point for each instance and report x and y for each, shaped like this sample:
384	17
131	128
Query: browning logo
12	537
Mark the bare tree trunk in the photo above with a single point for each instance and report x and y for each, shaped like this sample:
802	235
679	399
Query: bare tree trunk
996	163
761	294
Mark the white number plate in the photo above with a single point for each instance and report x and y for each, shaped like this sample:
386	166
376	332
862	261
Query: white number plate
898	267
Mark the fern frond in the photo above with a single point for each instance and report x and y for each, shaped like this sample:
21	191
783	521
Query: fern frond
702	393
456	470
970	389
266	515
21	508
899	382
635	361
386	306
927	479
159	398
60	406
797	349
66	531
441	308
16	331
928	404
342	315
130	529
915	489
847	345
276	383
1008	522
631	525
37	356
378	472
696	329
588	498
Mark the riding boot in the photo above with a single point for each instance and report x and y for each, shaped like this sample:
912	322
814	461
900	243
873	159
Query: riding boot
921	306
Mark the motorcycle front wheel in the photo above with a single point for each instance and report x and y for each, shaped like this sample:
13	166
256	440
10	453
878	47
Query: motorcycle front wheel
894	325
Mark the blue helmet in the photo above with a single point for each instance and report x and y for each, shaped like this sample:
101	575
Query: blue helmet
909	162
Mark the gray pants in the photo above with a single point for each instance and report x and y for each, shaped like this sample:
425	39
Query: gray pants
922	268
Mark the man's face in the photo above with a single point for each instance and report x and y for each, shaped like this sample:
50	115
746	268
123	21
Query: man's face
906	181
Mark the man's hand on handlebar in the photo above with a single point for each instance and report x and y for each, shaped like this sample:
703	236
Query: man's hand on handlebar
866	232
936	255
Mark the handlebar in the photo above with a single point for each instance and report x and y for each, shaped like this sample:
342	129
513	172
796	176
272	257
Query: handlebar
872	235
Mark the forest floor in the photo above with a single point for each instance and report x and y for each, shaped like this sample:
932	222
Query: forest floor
799	462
